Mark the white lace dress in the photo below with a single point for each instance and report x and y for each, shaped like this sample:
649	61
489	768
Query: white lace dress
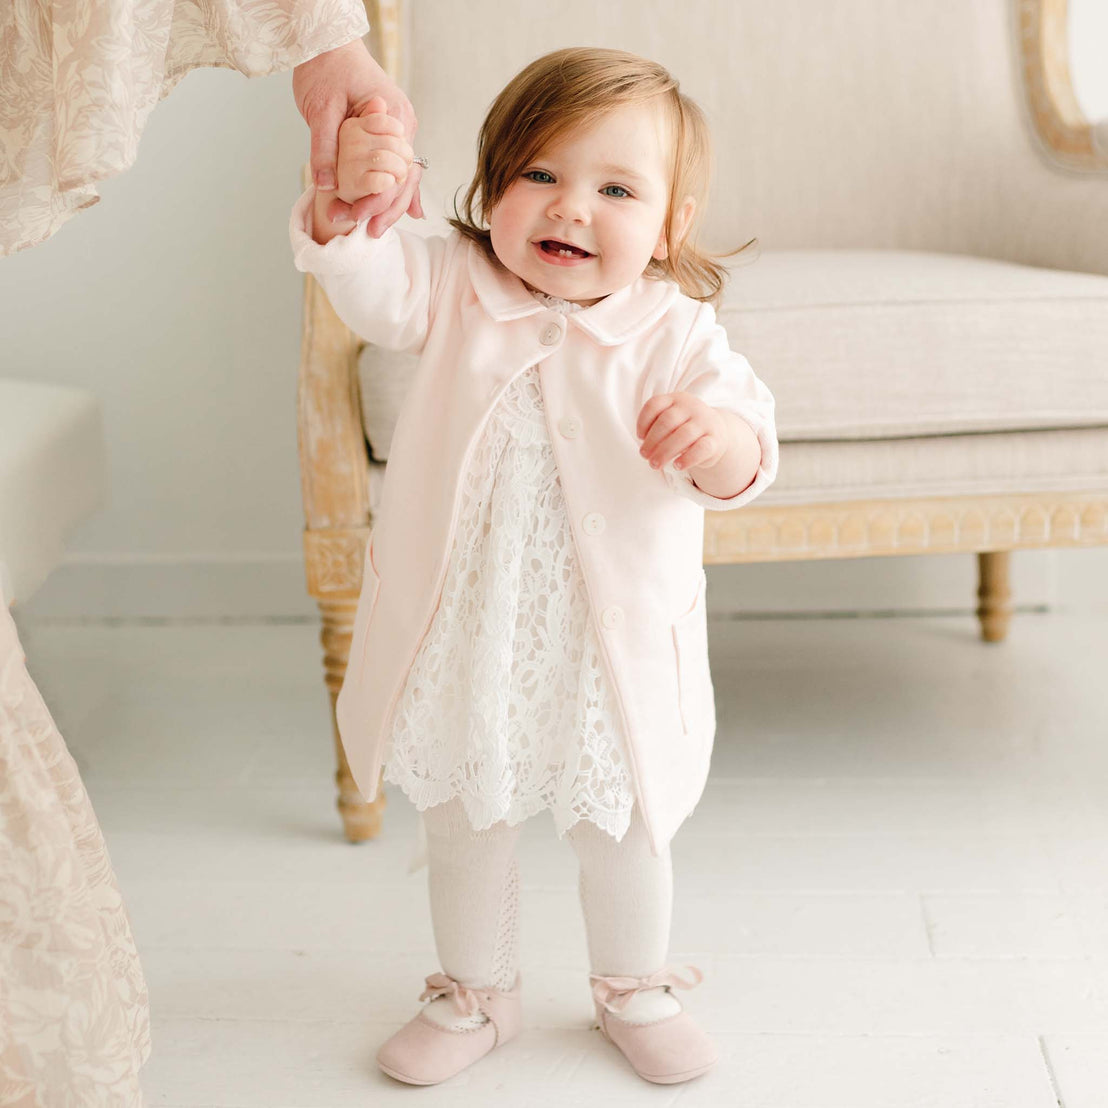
507	705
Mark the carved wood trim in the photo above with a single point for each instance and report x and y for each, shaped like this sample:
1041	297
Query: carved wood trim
1055	111
880	527
333	562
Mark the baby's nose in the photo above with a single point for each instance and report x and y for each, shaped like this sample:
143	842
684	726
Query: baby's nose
569	208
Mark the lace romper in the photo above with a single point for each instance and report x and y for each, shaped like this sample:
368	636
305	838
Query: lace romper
507	705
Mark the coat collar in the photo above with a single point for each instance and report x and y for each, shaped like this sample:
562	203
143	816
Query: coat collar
616	318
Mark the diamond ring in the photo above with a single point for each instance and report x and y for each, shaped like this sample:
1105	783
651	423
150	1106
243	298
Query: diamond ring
420	160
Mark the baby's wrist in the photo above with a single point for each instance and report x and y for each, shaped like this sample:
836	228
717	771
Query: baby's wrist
737	467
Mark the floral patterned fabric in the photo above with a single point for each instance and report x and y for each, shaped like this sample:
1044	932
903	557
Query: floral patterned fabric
74	1015
79	78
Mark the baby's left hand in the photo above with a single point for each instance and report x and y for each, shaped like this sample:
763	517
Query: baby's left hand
678	425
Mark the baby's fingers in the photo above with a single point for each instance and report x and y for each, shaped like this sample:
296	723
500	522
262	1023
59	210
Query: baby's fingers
375	123
355	139
373	170
382	169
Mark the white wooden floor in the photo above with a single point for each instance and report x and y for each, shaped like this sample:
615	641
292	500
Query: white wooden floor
896	883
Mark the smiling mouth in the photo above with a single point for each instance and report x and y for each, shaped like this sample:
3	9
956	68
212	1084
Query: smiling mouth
562	249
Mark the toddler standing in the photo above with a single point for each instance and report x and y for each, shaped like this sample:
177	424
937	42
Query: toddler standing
531	633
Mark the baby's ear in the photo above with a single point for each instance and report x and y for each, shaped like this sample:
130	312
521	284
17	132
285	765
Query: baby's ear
682	220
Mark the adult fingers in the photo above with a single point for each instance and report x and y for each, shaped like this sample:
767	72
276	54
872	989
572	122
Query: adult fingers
369	206
338	211
324	117
375	105
378	224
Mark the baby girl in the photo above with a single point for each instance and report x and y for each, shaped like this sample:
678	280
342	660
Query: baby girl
532	629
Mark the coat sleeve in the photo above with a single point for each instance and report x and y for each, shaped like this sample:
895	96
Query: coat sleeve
383	289
709	369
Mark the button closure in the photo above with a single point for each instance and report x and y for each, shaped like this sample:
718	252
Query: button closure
593	523
550	334
612	617
569	427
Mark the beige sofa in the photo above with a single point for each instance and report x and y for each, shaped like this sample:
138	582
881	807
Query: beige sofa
930	303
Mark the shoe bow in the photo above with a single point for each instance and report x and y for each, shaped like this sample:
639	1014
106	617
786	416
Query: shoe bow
467	1001
615	993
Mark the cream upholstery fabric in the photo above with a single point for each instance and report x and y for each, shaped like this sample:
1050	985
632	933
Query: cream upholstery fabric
886	343
941	465
52	475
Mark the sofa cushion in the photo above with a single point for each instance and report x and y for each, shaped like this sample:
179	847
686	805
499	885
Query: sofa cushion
942	465
875	344
52	475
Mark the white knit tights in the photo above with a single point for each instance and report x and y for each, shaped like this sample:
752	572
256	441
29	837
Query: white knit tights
626	896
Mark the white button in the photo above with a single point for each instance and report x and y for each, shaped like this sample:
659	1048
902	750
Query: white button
612	617
593	523
569	426
550	334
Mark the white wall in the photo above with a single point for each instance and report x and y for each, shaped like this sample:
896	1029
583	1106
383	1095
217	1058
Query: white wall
175	300
1088	35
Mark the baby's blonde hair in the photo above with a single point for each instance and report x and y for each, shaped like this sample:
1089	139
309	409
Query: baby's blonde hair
566	88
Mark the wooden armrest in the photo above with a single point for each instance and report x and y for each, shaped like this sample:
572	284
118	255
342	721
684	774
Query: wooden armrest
1069	137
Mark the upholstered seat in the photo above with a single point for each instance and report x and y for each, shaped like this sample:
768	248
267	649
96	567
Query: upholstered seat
871	344
928	302
53	475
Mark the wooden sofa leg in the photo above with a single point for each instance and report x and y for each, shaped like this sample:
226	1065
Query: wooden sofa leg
994	597
360	820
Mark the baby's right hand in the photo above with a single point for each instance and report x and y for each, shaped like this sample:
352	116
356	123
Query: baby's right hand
373	153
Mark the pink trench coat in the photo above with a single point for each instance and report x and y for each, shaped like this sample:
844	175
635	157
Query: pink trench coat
638	532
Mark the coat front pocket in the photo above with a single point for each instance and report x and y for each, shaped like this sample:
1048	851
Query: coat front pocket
367	600
694	679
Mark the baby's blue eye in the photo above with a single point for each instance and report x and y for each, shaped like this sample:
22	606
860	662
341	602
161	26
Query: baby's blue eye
616	191
539	175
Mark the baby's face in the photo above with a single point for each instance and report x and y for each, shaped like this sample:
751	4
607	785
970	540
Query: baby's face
585	217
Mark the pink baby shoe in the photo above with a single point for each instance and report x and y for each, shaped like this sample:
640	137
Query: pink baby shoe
665	1051
423	1053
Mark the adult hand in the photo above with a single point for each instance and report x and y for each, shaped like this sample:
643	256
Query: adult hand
337	85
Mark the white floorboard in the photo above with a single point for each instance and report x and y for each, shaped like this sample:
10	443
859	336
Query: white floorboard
895	883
